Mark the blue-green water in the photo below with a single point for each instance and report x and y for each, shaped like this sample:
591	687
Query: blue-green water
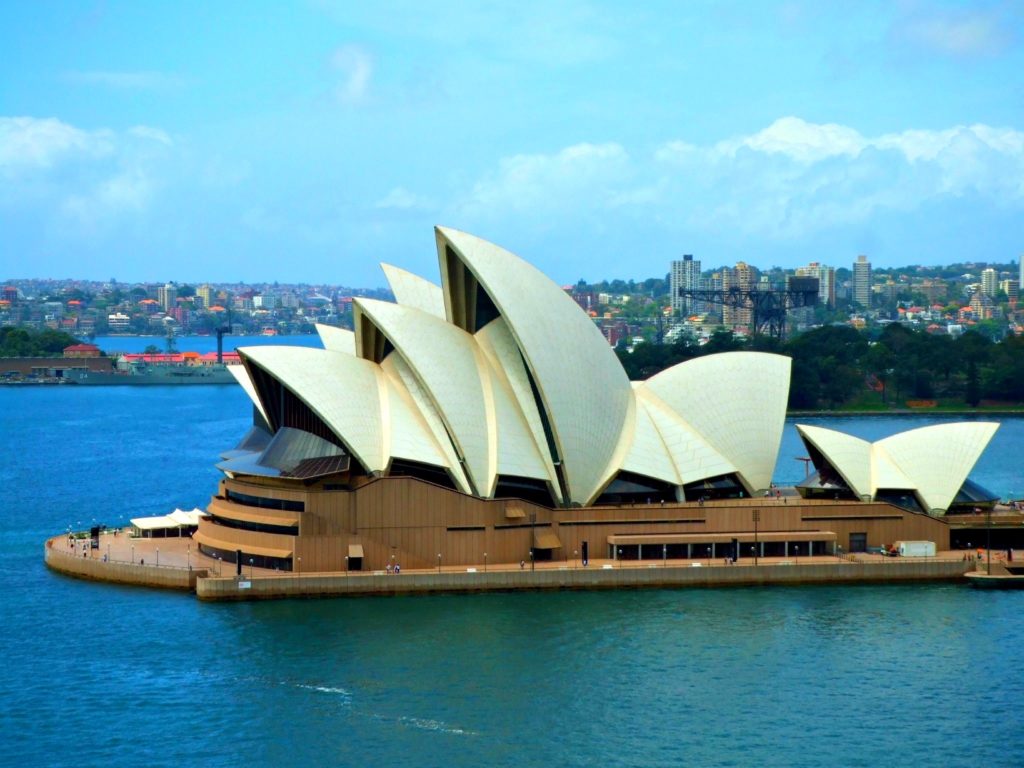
102	675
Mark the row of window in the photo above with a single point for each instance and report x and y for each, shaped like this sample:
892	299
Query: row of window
285	505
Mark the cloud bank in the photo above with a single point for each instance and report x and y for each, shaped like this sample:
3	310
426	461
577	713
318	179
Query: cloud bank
788	181
86	176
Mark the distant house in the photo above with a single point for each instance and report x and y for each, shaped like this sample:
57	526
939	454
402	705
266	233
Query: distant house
82	350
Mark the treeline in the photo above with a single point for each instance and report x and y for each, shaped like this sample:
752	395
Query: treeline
21	342
838	366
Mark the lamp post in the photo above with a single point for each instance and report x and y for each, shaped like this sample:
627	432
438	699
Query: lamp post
346	566
576	557
485	562
158	557
664	555
188	555
250	567
756	514
532	562
438	562
988	540
298	564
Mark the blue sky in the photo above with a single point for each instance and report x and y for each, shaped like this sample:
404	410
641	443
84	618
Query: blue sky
309	141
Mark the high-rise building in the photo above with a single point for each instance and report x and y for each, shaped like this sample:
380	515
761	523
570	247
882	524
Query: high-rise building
685	274
826	281
862	281
981	306
989	281
205	292
167	295
742	277
1011	288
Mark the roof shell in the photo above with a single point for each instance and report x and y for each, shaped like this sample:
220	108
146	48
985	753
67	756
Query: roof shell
337	339
939	457
933	461
343	390
414	291
585	392
736	403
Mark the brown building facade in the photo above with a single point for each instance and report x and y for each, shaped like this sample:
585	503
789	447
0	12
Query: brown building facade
413	523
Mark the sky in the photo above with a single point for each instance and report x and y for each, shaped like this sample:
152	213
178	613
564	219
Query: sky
308	141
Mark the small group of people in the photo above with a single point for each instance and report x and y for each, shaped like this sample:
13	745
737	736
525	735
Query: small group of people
394	569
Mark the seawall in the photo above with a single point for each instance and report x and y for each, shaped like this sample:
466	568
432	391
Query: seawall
425	582
95	569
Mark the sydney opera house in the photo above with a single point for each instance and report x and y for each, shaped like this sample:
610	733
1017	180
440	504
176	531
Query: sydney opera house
487	419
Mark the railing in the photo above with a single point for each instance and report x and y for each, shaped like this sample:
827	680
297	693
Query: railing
105	559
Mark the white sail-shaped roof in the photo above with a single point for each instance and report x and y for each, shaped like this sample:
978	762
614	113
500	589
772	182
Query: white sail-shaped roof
478	408
693	456
498	373
242	377
343	390
444	358
931	461
585	393
408	435
397	369
736	401
413	291
849	456
337	339
648	454
506	361
939	458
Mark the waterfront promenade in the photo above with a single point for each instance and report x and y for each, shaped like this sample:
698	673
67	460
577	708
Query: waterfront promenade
176	563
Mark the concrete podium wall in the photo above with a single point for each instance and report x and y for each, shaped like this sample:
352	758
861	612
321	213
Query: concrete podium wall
325	585
164	577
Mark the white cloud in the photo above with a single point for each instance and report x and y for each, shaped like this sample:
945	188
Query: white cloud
548	183
402	199
965	32
86	176
354	65
129	190
800	140
28	142
125	80
789	181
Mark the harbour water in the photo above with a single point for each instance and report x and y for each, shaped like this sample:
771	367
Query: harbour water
104	675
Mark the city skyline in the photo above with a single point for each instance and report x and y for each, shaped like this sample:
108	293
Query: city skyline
309	141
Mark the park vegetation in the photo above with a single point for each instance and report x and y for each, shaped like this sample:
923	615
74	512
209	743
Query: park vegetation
837	367
21	342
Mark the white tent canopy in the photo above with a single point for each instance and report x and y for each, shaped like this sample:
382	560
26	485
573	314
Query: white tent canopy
177	519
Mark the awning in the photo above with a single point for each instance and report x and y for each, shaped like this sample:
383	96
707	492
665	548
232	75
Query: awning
247	549
191	517
154	523
720	538
514	513
176	519
545	540
355	550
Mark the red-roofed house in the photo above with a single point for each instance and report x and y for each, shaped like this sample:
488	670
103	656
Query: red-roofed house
82	350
